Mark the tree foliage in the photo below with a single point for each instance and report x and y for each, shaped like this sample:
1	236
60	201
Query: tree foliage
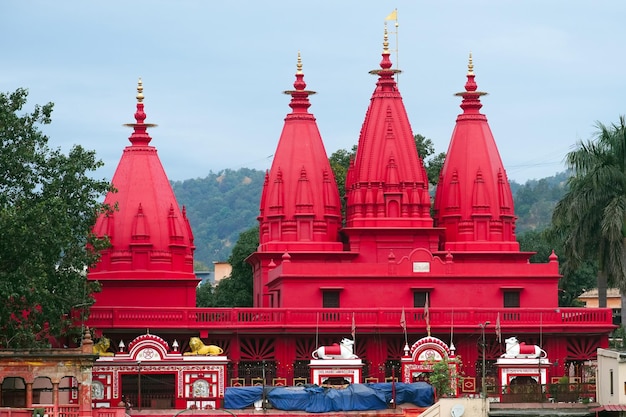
535	201
575	281
220	207
235	290
432	162
592	214
48	205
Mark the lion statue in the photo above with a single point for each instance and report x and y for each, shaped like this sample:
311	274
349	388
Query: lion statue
199	348
101	347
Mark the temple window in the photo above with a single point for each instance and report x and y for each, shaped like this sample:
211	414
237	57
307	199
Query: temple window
330	298
511	299
419	298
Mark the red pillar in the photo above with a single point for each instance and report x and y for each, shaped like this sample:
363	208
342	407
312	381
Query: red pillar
55	398
29	394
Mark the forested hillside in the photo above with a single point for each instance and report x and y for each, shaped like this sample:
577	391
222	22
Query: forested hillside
222	205
535	201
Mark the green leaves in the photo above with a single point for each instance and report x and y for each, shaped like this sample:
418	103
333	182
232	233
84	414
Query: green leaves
48	205
592	214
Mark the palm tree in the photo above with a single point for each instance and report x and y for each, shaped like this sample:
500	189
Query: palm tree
591	217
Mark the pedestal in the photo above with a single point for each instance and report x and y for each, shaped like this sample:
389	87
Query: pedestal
336	371
519	372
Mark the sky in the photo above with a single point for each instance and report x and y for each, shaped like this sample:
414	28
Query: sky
214	72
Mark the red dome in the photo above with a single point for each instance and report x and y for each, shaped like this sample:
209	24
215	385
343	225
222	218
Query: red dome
474	202
300	207
151	239
387	185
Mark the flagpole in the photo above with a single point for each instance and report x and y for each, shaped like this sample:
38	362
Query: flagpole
394	16
403	325
397	48
540	328
498	329
427	315
317	331
353	333
452	328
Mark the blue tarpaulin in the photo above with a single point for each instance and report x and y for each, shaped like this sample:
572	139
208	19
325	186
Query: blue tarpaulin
315	399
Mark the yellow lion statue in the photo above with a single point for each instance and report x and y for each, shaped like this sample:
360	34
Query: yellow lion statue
101	347
199	348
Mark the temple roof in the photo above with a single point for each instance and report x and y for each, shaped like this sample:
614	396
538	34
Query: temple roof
387	185
473	199
300	207
150	236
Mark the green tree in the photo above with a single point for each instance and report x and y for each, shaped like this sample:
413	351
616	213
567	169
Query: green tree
205	295
432	162
219	207
575	281
592	214
236	290
339	163
48	205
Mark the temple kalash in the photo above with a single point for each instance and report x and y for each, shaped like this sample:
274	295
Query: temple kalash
375	299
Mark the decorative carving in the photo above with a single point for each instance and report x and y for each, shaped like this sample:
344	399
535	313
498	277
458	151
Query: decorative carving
102	346
199	348
342	351
515	349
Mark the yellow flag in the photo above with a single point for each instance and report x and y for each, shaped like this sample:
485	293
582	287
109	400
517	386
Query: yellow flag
393	15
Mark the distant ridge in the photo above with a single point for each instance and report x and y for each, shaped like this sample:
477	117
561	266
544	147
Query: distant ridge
226	203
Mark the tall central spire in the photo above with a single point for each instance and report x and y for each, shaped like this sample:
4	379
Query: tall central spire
387	185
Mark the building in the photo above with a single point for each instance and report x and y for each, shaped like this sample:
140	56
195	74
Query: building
611	381
390	273
613	301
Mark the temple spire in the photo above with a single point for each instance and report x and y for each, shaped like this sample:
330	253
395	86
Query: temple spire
485	222
140	135
387	185
151	240
299	95
471	97
299	211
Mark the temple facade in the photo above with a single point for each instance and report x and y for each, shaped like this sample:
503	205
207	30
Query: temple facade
396	268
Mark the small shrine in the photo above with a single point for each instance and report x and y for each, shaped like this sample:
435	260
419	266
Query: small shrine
418	361
336	365
149	371
522	364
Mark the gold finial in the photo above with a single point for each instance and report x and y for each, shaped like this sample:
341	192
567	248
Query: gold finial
299	66
470	66
140	91
386	41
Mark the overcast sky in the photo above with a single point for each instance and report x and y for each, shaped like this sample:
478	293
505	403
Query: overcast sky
214	72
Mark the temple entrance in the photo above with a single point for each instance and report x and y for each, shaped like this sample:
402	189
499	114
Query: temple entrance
150	390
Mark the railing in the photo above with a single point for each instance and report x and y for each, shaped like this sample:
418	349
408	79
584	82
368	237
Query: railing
65	410
109	412
218	318
560	393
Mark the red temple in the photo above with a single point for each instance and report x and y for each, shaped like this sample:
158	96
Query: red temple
456	276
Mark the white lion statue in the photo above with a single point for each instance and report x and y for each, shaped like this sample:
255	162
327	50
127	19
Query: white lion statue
335	351
515	349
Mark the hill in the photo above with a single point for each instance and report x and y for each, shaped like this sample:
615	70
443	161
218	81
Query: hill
219	207
535	200
222	205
